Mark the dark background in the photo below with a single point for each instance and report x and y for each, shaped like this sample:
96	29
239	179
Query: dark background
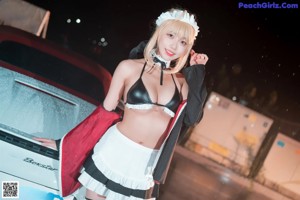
249	49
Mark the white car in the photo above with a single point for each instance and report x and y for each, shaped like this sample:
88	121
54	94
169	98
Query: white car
45	91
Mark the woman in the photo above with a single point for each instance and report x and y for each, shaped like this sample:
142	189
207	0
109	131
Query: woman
132	157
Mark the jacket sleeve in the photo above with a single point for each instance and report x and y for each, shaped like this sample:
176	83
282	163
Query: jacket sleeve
137	52
194	76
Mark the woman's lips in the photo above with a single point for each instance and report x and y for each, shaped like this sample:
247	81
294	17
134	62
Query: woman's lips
169	53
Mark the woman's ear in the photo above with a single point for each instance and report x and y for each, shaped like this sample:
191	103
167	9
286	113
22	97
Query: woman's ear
192	52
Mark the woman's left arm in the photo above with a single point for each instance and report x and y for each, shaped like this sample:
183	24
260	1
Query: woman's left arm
197	93
195	76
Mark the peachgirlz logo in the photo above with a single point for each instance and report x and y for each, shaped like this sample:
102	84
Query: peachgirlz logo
267	5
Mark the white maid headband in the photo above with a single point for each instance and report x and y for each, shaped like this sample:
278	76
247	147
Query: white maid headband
181	15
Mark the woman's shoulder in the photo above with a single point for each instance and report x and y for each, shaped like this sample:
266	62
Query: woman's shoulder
130	66
131	62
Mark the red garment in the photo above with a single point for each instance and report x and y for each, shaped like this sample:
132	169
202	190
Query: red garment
77	144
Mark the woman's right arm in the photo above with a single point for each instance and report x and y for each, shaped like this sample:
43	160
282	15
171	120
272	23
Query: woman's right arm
117	86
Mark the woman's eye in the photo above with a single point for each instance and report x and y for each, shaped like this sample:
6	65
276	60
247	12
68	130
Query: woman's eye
170	35
183	43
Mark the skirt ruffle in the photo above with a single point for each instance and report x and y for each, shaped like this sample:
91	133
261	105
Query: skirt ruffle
119	168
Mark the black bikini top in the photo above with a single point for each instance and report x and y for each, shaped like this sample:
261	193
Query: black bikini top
138	97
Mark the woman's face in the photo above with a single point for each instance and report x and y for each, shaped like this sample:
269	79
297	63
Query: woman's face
171	46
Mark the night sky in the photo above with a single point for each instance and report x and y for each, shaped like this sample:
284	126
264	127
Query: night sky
249	49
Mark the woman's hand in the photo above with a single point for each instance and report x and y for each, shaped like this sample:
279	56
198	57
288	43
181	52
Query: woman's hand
198	58
47	142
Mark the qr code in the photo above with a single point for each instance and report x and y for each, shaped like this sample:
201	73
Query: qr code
10	189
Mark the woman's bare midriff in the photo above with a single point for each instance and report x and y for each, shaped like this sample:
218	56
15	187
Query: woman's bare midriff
145	127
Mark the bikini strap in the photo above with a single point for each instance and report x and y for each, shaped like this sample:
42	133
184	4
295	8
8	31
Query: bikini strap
143	69
174	82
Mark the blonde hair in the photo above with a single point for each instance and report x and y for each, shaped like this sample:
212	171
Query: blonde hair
181	29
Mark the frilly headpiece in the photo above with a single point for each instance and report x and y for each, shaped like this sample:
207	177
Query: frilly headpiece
181	15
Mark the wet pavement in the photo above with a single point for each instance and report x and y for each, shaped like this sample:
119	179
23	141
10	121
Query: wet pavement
194	177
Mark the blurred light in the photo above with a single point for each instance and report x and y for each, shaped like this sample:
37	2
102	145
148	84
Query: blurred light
243	102
214	99
105	44
78	21
252	118
225	177
280	143
234	98
102	42
209	106
69	21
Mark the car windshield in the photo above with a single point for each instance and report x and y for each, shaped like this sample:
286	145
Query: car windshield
30	106
52	68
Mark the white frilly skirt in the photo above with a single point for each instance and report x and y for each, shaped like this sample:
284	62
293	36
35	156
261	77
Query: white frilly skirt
119	168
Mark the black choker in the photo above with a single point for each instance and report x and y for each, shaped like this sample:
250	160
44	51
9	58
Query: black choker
158	59
163	64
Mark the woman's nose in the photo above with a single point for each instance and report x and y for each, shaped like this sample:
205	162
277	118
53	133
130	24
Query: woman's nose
174	45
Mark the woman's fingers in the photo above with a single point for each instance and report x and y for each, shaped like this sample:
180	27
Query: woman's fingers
198	58
41	139
46	142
